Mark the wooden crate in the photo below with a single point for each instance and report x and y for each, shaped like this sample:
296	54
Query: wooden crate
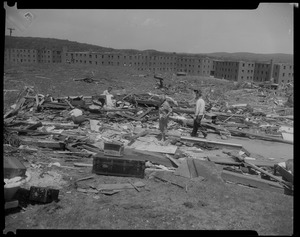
43	195
118	166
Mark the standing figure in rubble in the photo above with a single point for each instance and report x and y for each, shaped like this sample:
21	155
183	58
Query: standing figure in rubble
199	114
164	112
107	92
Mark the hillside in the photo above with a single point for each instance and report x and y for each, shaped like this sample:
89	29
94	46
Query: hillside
37	43
244	56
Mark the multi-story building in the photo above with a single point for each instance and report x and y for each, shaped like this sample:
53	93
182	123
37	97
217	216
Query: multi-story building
21	55
234	70
283	73
262	71
157	62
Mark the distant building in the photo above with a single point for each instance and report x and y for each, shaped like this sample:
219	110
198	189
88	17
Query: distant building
32	56
261	72
21	55
283	73
234	70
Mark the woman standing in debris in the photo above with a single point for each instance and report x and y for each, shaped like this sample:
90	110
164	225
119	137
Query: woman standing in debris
164	112
199	114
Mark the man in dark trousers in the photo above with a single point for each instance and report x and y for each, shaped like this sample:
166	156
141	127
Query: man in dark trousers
199	114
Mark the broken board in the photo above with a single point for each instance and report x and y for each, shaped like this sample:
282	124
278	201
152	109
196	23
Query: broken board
173	179
120	186
252	181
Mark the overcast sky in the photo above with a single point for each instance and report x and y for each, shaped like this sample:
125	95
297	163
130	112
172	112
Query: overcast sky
268	29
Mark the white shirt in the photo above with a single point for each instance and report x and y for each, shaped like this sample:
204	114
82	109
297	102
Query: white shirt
200	107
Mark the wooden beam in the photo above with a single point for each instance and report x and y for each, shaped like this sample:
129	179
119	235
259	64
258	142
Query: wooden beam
251	181
212	143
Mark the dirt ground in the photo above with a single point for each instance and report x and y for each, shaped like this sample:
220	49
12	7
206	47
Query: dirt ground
210	204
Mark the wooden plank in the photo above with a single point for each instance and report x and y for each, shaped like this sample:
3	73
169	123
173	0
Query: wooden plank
44	143
236	132
128	116
252	181
286	184
83	165
120	186
192	168
173	179
146	112
223	160
284	173
230	161
213	143
141	134
173	160
183	170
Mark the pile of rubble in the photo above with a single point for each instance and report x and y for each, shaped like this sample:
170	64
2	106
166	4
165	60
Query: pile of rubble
106	128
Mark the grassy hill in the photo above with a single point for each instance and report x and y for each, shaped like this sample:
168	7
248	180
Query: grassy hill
37	43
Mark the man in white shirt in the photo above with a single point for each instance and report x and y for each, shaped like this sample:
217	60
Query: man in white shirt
107	92
199	114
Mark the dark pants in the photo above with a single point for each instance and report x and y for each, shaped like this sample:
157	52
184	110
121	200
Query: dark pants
197	125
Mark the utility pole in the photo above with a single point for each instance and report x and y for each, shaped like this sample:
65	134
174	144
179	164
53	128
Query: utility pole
10	30
9	53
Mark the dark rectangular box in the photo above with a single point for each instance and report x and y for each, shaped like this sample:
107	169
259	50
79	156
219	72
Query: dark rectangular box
43	195
118	166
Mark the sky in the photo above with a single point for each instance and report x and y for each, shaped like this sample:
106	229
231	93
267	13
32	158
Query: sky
267	29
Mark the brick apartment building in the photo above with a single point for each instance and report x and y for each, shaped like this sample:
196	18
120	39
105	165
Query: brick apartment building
153	62
32	55
283	73
234	70
157	62
21	55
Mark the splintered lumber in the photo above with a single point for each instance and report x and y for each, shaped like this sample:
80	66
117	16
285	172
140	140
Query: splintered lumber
230	161
44	143
146	112
141	134
55	105
284	183
223	160
287	175
46	123
236	132
120	186
212	143
127	116
250	180
16	109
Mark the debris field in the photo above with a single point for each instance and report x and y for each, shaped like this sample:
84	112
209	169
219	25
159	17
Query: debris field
97	161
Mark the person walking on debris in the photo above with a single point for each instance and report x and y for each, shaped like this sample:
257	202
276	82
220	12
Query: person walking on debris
164	112
199	114
107	92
